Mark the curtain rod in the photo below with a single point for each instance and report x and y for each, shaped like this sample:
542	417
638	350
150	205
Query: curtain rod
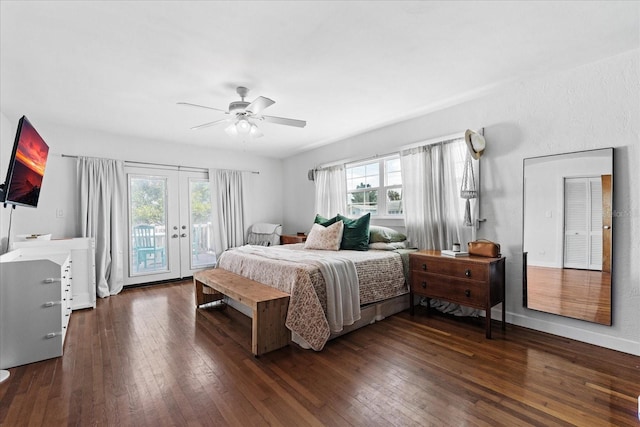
402	148
131	163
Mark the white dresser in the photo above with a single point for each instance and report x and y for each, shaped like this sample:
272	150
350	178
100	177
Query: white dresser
82	251
35	305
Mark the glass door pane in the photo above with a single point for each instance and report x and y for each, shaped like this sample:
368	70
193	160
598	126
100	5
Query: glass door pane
201	242
148	219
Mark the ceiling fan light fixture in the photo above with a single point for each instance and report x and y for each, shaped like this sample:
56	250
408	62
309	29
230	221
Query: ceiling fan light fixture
231	130
243	126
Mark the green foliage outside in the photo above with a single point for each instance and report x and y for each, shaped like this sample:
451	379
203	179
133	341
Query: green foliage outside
148	201
394	195
200	202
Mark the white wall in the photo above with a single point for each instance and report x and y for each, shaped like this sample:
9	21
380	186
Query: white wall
263	191
593	106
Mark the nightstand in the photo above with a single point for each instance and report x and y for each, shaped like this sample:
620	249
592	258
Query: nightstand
287	239
471	281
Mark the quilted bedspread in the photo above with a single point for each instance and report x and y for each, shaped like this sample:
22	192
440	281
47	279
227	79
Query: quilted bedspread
380	276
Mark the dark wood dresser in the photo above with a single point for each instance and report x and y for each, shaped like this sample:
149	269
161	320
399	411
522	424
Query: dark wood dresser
287	239
471	281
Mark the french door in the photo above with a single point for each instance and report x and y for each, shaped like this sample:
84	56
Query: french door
169	224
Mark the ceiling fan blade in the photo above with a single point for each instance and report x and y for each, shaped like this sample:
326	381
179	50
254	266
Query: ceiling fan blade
259	104
283	121
206	125
201	106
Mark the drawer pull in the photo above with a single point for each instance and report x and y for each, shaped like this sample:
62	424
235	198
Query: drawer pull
467	292
52	303
424	285
51	280
467	273
424	267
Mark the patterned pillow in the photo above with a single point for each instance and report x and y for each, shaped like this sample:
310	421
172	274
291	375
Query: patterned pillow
326	238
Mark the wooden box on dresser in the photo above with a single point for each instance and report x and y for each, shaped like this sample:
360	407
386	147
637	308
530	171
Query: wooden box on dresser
472	281
35	306
287	239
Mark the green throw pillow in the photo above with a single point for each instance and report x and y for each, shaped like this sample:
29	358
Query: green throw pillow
324	221
355	236
385	235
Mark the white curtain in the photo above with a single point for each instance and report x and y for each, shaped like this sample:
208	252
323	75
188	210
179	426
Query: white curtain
331	191
431	181
227	209
103	186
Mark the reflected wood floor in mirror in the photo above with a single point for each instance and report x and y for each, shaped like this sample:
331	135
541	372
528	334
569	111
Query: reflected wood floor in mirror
580	294
148	357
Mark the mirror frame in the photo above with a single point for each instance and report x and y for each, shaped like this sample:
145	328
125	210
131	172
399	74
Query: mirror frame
547	284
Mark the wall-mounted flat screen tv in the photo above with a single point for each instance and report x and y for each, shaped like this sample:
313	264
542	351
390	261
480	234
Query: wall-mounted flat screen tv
26	166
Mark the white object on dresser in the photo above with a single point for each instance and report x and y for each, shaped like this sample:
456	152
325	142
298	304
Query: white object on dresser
35	306
83	266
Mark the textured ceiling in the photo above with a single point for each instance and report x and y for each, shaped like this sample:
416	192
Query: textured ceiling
345	67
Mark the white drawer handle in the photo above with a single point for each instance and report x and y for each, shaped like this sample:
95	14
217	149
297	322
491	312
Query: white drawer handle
51	280
52	335
52	303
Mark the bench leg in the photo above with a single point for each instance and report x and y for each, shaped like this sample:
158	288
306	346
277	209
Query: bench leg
268	331
205	294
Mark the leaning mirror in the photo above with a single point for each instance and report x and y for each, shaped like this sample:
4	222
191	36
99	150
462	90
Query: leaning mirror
567	234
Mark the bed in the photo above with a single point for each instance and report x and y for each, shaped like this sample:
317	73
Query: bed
323	304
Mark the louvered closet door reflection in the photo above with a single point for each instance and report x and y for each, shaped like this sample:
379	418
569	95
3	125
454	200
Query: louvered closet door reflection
583	223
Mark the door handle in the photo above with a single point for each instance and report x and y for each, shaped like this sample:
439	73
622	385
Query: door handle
174	236
607	227
183	235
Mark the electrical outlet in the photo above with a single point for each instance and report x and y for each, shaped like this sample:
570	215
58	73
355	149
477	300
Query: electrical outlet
59	213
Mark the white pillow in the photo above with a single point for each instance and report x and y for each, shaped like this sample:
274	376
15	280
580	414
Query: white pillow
388	246
326	238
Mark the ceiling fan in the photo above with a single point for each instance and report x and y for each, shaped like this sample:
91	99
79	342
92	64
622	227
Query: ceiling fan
244	115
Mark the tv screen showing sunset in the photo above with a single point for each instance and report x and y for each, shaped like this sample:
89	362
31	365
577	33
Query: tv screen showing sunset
28	168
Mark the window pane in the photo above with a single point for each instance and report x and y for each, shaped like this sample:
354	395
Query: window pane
394	201
355	172
373	169
394	178
373	181
393	165
352	184
393	175
361	202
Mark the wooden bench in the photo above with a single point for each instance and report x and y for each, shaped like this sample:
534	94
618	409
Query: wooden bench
268	305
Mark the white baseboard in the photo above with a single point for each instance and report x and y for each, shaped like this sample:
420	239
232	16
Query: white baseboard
601	340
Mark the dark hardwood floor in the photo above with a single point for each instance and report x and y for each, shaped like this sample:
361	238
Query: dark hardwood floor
147	357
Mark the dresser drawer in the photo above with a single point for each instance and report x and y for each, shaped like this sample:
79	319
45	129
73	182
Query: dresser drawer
462	291
453	268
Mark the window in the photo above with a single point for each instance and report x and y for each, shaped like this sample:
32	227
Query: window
375	187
